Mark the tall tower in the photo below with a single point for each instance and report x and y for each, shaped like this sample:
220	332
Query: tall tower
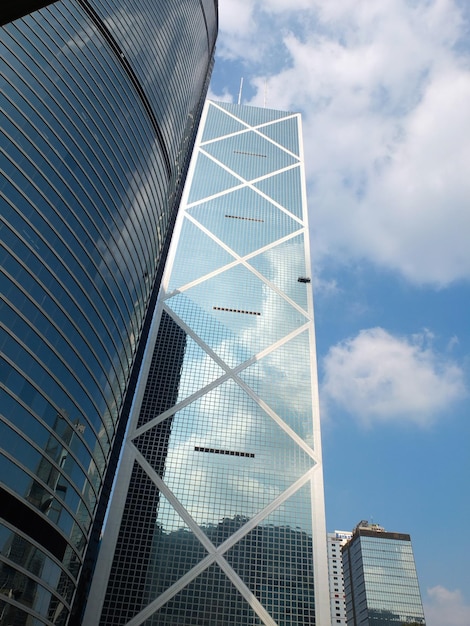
218	511
380	580
100	105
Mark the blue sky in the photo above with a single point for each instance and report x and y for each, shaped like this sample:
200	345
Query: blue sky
384	89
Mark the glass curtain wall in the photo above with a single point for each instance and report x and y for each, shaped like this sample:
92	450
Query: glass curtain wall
380	581
218	514
100	102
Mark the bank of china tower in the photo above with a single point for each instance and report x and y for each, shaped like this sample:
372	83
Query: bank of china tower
218	513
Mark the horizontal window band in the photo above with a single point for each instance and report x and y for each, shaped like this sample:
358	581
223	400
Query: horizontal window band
131	74
227	452
239	217
264	156
18	514
222	308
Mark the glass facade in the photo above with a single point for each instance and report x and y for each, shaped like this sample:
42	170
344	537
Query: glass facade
100	102
218	513
380	580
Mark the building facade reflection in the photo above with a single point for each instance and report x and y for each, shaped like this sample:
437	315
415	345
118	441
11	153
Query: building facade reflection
380	580
230	469
100	103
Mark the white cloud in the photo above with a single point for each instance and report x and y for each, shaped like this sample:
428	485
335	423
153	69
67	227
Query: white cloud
225	96
238	26
236	18
446	608
384	96
324	287
377	377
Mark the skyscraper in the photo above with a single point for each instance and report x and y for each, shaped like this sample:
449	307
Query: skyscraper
336	578
218	514
100	104
380	579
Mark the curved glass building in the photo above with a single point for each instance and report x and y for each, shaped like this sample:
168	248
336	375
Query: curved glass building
100	104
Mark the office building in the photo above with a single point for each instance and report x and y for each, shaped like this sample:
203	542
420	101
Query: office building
335	576
100	106
380	580
218	512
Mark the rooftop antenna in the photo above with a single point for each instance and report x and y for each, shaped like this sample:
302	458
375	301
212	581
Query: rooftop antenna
240	92
265	91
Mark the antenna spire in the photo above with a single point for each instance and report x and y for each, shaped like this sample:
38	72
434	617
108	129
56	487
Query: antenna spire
240	92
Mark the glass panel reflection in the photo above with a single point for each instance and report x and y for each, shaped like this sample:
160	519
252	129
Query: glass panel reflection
253	116
282	380
216	120
283	266
227	416
210	179
158	551
249	155
100	105
285	188
236	324
286	133
275	560
206	256
232	466
209	599
244	220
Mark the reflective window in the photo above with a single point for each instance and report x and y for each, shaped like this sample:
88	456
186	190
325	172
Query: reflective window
100	106
226	420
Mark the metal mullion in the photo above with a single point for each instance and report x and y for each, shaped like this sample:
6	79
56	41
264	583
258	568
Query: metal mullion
109	178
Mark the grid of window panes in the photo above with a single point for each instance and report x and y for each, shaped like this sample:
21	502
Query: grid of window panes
391	582
275	561
225	421
99	103
211	598
381	583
